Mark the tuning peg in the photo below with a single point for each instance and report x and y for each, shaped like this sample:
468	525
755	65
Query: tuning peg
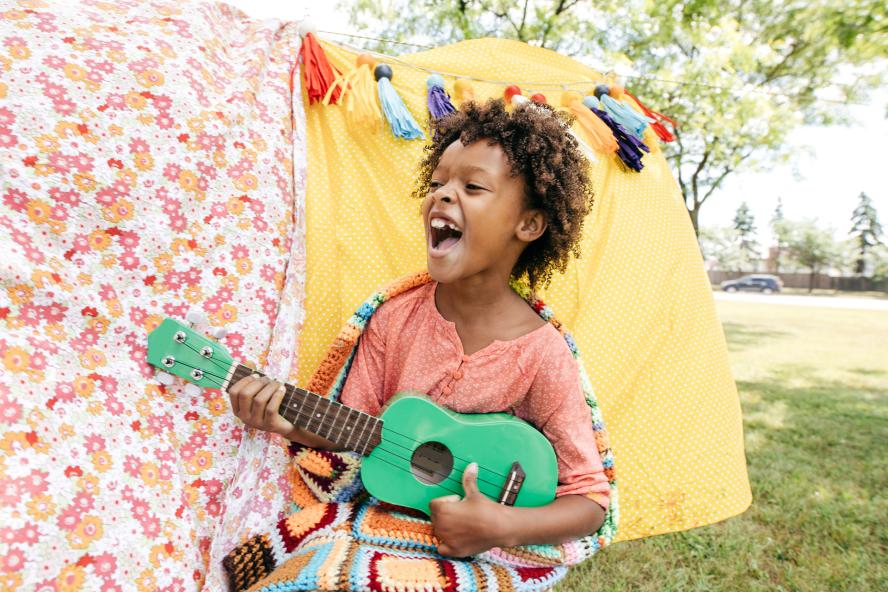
220	332
192	390
165	378
196	317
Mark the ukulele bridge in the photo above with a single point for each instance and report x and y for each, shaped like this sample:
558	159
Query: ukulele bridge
514	481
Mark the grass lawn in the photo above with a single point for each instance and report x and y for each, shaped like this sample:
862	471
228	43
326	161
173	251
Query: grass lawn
814	389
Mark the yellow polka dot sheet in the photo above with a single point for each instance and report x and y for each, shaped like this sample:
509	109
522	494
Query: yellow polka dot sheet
638	300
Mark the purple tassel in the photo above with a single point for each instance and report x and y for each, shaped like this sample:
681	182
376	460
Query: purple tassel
439	100
630	151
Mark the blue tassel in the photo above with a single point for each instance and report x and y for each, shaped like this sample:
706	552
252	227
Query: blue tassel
631	148
401	121
634	122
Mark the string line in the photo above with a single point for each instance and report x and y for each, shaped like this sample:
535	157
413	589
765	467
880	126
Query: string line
534	86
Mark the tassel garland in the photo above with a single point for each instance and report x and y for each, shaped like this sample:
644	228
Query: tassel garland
463	91
661	130
630	150
319	74
439	101
401	121
598	134
358	93
629	118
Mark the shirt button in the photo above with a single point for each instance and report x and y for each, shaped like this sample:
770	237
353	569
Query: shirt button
447	390
457	374
465	358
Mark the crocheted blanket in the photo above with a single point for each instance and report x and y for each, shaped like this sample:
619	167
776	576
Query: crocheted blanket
339	538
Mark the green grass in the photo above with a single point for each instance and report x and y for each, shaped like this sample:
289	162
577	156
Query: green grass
814	389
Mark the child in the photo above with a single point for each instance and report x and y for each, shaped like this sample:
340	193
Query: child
504	197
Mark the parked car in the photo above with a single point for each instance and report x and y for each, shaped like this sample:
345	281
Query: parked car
766	284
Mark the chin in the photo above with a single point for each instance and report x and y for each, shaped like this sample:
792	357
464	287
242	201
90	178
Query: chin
443	274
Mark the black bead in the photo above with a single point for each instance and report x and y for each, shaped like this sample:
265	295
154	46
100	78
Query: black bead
601	89
382	71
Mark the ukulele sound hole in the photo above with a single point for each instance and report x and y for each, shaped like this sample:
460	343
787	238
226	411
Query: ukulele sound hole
431	463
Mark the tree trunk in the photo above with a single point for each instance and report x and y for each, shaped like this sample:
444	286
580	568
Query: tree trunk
694	214
811	280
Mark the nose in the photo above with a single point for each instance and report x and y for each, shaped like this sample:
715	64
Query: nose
444	194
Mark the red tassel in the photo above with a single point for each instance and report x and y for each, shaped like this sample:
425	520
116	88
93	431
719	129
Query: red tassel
318	72
663	133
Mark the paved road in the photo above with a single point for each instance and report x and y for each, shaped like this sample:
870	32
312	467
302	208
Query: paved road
795	300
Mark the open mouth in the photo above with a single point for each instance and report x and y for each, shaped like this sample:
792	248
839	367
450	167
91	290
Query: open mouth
443	235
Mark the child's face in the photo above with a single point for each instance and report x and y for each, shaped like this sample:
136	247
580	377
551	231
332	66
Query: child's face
475	214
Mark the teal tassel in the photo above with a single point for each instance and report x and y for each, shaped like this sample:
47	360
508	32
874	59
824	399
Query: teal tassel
401	121
633	121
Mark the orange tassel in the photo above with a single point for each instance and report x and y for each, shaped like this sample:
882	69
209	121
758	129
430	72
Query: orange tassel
660	129
358	93
318	73
598	134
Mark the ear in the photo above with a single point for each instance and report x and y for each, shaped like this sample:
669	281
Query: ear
531	227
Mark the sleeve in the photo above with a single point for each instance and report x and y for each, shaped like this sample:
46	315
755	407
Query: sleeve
557	406
365	384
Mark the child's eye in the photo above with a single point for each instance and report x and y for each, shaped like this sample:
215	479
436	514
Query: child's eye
434	184
473	187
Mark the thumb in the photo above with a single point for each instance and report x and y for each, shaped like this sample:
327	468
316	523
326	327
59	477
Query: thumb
470	479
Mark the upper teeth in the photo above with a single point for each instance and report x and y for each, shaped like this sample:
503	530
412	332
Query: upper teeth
441	223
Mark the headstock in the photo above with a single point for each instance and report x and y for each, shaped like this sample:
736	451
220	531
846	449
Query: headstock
177	349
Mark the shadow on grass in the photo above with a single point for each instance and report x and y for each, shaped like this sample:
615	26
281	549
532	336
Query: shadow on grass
816	522
874	372
741	336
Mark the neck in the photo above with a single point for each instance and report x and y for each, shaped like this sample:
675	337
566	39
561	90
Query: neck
473	298
348	428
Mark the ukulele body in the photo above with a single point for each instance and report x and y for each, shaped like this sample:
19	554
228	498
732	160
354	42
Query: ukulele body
425	449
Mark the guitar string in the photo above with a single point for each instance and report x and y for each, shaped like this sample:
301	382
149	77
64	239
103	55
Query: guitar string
322	424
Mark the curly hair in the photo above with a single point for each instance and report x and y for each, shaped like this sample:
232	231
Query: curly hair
538	146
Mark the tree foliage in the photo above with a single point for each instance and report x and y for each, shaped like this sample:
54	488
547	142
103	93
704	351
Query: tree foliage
865	230
811	246
737	75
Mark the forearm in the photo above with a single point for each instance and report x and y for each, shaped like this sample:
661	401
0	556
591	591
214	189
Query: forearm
568	517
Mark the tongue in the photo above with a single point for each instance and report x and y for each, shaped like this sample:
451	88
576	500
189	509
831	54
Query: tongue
448	242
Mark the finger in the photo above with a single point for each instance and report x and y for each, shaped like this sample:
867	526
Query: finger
444	549
235	390
245	402
470	480
274	405
260	401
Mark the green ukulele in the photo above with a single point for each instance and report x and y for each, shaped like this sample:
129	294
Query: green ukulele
415	451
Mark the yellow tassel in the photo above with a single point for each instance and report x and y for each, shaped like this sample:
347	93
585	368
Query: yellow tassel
358	94
463	91
597	134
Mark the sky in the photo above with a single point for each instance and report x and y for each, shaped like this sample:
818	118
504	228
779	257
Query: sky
832	167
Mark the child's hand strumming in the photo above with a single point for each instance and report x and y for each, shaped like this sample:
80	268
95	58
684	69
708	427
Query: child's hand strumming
470	525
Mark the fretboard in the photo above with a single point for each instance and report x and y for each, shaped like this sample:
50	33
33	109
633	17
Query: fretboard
346	427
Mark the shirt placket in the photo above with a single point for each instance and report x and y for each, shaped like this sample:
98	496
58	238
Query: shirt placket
455	375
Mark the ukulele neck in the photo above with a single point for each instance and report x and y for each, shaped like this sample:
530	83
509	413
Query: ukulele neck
346	427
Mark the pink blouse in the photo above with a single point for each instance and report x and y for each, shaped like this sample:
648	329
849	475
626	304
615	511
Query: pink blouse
408	345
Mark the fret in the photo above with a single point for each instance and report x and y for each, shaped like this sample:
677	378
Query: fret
304	395
363	428
285	402
335	419
311	415
367	441
345	425
327	405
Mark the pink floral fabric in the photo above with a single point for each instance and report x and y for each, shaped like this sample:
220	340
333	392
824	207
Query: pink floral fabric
151	163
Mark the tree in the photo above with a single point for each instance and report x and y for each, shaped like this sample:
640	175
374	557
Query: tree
737	75
779	230
811	247
721	245
866	231
744	224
